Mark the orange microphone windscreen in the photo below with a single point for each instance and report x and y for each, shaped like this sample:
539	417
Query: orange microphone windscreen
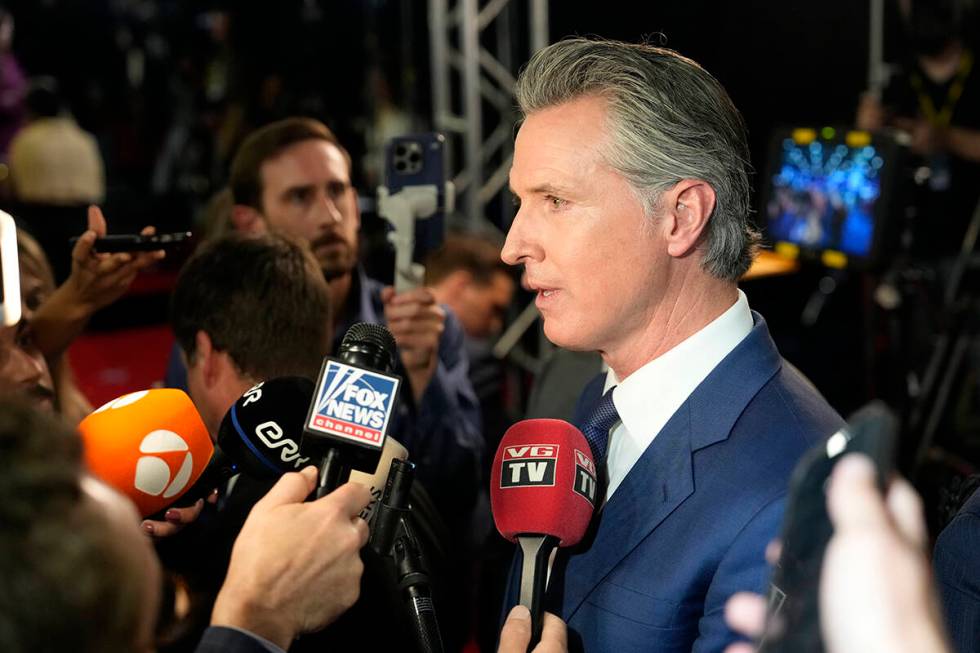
150	445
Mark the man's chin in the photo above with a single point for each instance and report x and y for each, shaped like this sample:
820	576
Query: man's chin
334	268
563	339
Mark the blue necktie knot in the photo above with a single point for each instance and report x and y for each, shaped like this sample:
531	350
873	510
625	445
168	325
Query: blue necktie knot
596	426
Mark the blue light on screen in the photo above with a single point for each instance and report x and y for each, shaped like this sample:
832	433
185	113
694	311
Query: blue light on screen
823	196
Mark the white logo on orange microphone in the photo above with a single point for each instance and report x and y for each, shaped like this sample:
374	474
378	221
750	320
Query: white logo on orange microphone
153	473
123	401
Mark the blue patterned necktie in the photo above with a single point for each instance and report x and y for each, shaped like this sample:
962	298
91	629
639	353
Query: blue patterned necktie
596	426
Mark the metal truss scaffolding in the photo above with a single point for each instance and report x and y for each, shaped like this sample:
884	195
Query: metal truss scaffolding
475	48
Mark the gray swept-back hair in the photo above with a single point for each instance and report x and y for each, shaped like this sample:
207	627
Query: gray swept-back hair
668	120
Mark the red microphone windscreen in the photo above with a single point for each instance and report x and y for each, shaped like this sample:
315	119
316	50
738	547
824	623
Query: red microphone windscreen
543	481
150	445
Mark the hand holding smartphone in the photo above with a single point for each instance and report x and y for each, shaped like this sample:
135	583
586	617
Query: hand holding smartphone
115	243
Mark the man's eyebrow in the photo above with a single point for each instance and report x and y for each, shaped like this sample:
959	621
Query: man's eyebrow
543	189
298	187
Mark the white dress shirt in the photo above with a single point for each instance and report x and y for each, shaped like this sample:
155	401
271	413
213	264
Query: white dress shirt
650	396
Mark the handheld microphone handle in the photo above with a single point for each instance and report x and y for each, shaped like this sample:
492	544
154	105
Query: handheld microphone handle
334	472
392	537
424	620
536	550
393	508
413	579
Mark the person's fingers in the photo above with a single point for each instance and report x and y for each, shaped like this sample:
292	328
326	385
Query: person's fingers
416	324
148	230
185	515
110	263
160	529
745	613
421	295
905	508
853	499
773	550
363	532
82	250
351	498
213	496
386	294
554	633
426	342
740	647
96	221
293	487
110	280
516	633
413	310
146	259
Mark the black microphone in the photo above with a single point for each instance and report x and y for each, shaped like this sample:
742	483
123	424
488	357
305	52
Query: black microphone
262	431
351	411
393	537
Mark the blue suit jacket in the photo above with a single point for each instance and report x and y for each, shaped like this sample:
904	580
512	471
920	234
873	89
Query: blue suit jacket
957	563
230	640
689	525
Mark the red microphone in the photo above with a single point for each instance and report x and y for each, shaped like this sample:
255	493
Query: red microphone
151	445
542	493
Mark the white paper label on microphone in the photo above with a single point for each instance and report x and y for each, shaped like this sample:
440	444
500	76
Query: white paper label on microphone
353	403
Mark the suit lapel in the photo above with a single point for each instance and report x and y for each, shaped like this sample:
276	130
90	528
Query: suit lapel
663	477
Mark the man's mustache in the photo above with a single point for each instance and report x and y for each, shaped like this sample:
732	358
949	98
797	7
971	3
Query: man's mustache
327	239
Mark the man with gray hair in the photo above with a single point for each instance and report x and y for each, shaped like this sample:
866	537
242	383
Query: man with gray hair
631	169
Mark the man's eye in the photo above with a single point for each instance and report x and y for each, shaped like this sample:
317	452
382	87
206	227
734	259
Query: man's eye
337	189
299	195
555	202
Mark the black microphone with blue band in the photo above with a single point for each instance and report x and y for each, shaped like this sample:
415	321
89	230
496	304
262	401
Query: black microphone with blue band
262	432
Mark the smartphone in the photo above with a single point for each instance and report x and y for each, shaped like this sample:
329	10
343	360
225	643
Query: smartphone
420	160
793	617
9	272
115	243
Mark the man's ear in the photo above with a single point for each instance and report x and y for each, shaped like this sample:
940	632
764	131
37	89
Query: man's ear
247	220
688	207
205	356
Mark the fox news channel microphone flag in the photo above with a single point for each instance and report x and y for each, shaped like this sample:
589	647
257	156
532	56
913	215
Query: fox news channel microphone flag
352	406
150	445
543	491
262	433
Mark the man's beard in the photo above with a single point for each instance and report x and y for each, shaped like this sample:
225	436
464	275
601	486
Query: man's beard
337	261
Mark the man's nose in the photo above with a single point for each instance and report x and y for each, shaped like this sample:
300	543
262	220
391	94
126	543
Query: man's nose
514	247
328	210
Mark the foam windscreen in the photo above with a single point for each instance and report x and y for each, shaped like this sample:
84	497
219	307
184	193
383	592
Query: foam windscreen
150	445
543	481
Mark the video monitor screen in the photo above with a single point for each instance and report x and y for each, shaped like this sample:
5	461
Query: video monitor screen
826	190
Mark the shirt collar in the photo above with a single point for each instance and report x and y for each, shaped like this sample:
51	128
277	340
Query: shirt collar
647	399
